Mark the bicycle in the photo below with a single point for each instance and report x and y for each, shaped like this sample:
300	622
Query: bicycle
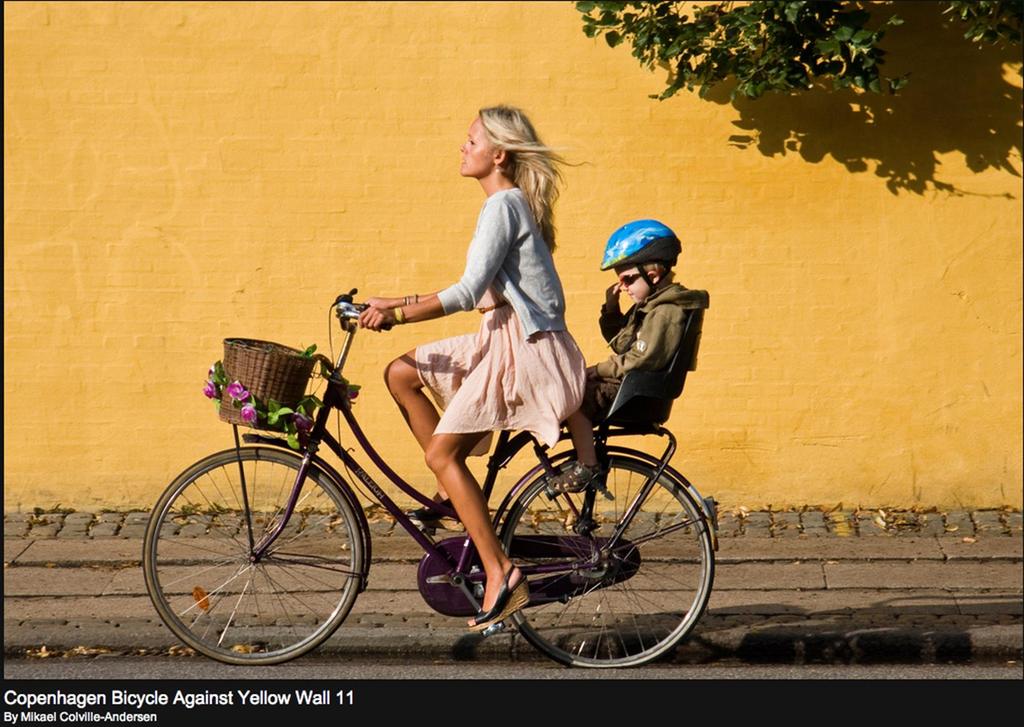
256	554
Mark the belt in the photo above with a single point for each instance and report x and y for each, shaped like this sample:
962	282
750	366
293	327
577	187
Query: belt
489	308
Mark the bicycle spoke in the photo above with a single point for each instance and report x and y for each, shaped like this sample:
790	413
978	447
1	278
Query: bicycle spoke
279	593
216	591
278	608
212	507
235	610
634	601
299	560
193	576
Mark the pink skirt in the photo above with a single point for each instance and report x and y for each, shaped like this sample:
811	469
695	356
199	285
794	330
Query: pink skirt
497	379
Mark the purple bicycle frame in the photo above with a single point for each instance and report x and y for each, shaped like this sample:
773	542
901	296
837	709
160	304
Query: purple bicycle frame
336	397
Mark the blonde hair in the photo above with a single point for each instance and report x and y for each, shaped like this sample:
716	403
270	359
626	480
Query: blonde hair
532	166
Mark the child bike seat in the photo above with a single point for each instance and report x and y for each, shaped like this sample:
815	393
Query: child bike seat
645	397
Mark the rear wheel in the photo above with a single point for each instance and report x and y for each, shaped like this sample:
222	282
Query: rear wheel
208	589
601	606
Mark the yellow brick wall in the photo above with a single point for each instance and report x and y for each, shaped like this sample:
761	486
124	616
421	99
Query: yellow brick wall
175	173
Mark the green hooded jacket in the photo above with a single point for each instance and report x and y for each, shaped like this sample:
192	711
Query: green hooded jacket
647	335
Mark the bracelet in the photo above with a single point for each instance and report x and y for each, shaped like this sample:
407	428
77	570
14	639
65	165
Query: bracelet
399	316
414	299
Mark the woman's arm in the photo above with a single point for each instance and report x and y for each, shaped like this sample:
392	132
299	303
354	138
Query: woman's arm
495	232
377	319
487	251
389	303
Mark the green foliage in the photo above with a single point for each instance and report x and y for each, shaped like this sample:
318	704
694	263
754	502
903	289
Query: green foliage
990	22
771	45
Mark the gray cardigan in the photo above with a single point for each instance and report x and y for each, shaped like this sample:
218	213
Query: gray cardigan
509	254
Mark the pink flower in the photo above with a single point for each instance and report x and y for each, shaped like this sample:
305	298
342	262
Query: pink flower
248	413
237	392
210	390
302	422
352	394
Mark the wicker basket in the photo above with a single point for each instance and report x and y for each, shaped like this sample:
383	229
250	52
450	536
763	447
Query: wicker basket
267	370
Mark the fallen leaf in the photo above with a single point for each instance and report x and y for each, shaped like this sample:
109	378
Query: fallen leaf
201	598
181	651
87	651
243	648
952	528
879	522
969	539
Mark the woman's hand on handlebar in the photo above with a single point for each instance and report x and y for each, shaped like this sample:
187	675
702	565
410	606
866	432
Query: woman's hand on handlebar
384	303
376	319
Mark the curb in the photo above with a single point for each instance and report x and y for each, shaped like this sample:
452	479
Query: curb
714	640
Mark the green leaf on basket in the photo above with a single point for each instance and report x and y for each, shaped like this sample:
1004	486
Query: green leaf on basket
274	416
308	353
293	441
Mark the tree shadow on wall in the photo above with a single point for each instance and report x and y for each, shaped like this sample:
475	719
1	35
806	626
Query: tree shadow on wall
958	100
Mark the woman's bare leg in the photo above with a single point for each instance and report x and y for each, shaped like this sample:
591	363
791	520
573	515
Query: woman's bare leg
407	390
446	456
419	413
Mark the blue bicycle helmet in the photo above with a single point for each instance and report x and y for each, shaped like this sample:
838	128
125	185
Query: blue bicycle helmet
641	241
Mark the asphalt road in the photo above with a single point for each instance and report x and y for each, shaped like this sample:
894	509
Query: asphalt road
168	668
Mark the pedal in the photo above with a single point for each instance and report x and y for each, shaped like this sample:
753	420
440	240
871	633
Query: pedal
603	489
430	530
494	629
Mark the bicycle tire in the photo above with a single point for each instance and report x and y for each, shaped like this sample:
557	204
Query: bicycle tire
196	558
633	608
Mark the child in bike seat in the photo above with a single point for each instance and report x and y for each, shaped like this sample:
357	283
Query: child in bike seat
642	253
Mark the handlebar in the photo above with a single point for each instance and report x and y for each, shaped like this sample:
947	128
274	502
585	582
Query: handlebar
347	310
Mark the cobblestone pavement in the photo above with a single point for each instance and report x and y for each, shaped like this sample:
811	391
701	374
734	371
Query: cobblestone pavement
797	586
735	523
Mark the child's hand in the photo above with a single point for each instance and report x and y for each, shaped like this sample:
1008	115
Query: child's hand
611	296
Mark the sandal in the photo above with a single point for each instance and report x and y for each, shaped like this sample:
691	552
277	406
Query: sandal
508	602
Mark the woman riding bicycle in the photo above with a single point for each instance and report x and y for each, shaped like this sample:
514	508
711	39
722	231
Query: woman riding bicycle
522	369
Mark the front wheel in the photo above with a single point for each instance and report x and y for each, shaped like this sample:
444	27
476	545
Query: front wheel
214	595
603	605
